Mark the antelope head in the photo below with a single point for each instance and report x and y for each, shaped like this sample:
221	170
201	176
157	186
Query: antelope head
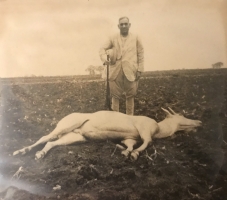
180	122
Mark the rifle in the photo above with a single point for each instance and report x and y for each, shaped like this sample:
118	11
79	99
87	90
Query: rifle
108	102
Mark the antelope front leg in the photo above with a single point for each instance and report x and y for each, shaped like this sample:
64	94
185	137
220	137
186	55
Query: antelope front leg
135	153
129	143
149	128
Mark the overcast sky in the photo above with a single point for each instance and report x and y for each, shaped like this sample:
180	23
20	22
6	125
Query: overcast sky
55	37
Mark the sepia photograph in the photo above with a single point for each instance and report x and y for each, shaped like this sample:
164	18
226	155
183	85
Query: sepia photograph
110	100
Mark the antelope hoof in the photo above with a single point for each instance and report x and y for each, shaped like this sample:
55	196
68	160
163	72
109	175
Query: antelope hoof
134	155
125	153
22	151
39	155
16	152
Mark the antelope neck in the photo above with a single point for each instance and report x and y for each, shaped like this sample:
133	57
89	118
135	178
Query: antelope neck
167	127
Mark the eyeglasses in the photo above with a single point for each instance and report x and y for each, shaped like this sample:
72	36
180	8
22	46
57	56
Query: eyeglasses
124	24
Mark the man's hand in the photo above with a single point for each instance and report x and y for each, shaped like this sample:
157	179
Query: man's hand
105	61
138	75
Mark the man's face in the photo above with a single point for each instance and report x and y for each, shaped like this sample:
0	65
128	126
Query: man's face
124	26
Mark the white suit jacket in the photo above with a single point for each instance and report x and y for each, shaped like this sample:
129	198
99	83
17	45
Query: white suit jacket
130	57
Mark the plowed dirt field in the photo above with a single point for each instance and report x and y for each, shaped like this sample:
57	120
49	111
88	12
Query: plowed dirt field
188	166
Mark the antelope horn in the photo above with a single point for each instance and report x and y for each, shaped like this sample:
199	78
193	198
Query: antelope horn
172	111
166	111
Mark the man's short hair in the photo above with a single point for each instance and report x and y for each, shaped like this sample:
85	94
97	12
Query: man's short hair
123	18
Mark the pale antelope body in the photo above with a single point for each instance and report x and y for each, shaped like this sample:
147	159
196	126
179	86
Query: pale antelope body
103	125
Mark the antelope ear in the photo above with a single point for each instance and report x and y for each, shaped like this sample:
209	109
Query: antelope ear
167	112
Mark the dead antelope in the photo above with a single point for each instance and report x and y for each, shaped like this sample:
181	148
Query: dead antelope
103	125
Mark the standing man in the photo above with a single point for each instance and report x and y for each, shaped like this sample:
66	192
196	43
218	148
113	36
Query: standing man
126	65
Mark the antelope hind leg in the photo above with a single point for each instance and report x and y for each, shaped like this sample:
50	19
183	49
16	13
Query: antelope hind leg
68	138
53	135
57	132
21	151
65	125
